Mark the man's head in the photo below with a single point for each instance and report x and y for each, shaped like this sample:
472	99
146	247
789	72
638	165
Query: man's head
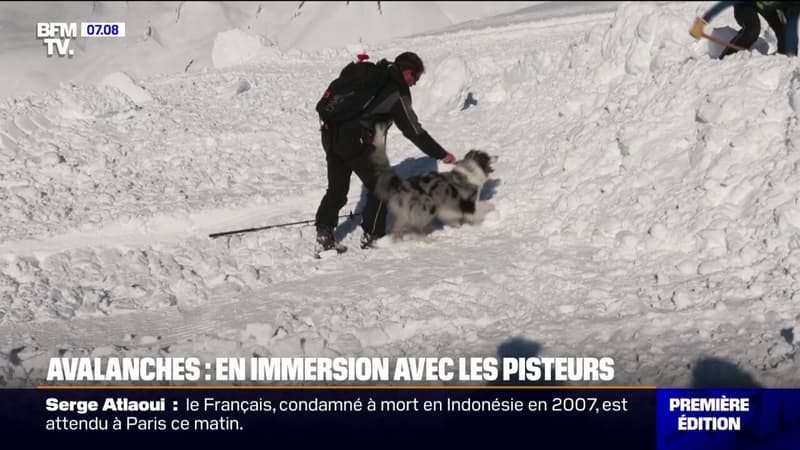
410	65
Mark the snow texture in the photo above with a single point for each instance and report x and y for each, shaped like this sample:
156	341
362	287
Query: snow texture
646	196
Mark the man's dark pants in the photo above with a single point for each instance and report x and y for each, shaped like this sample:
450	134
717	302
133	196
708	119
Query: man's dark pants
340	169
746	16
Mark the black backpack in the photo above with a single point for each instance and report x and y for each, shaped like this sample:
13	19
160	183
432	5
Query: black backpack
351	94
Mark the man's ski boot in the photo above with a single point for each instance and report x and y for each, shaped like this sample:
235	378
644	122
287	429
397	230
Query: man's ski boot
326	242
368	240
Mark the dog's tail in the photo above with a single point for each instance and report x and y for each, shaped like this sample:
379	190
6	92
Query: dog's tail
388	184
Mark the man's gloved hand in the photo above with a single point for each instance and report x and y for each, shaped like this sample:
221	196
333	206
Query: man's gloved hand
698	28
449	159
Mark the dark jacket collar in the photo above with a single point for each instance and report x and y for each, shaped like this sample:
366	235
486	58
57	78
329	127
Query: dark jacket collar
396	77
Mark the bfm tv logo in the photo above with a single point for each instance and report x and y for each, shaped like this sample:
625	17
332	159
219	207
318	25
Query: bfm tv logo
58	35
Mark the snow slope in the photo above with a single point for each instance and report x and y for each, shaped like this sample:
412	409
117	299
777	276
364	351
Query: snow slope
177	37
647	208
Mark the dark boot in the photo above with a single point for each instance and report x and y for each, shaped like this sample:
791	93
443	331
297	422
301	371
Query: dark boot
326	240
325	237
368	240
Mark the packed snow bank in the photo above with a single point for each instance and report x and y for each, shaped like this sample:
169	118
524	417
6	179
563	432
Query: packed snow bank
710	142
128	87
444	88
646	37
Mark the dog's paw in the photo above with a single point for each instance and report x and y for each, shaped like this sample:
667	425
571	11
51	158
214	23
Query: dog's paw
481	211
486	207
473	219
493	216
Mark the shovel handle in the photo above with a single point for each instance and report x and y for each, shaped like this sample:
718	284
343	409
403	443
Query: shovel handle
722	42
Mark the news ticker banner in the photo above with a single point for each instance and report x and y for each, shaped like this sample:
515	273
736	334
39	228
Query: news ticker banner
558	401
404	416
329	417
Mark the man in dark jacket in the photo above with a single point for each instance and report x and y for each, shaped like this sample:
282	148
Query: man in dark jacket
360	146
782	17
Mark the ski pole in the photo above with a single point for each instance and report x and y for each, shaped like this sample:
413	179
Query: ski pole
723	42
267	227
